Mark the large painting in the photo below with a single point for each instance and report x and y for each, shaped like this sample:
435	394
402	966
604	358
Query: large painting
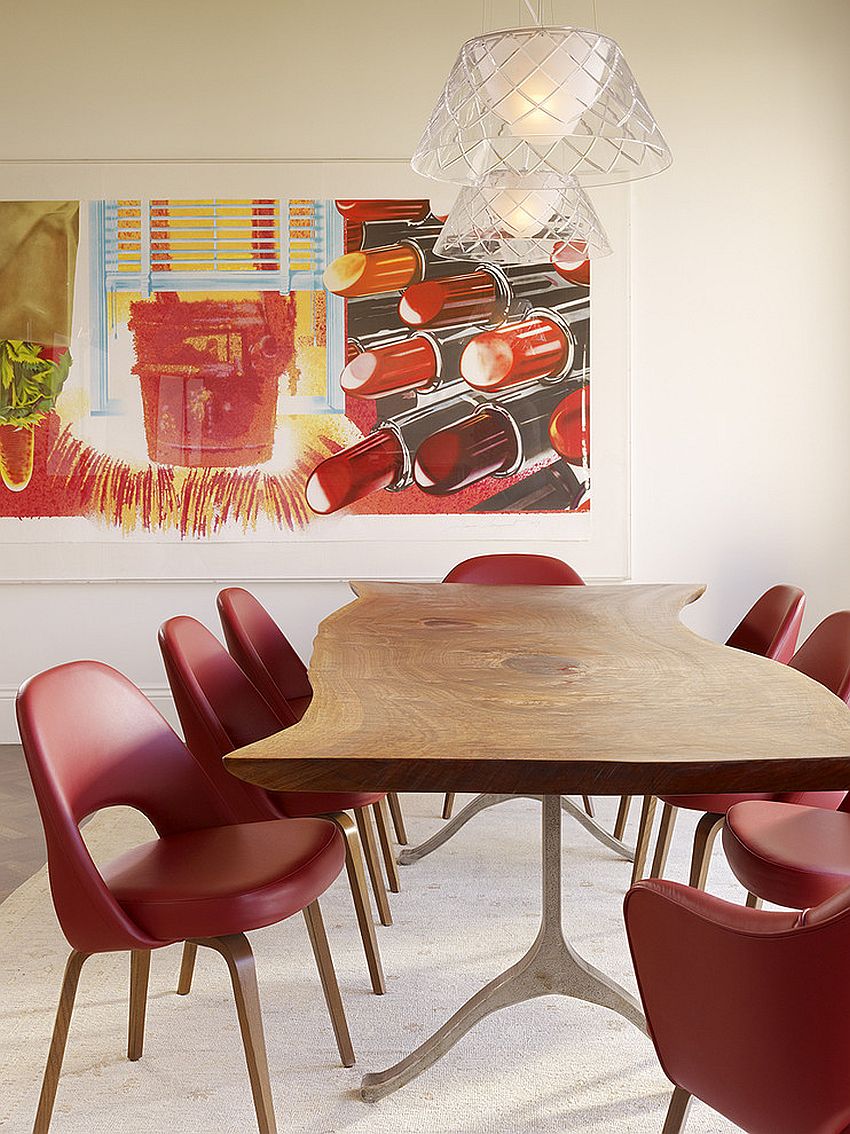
281	368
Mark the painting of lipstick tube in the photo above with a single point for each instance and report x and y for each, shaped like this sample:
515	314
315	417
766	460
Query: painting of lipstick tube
498	440
475	376
384	459
487	296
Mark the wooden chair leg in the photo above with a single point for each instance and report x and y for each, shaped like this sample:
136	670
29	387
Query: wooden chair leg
70	981
236	951
382	822
706	832
622	816
665	835
753	901
187	968
398	818
140	968
330	986
448	804
360	896
370	853
677	1112
588	805
647	815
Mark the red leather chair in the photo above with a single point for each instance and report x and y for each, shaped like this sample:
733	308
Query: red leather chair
92	740
265	654
748	1010
507	570
784	851
220	710
515	570
770	629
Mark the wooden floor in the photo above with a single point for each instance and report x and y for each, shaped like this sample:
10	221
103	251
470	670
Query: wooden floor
21	841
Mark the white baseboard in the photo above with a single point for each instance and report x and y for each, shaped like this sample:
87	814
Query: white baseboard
159	695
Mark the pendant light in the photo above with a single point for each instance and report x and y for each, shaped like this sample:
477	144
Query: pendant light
515	224
537	101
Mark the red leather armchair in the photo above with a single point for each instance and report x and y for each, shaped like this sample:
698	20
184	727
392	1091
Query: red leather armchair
513	569
824	656
91	741
220	709
265	654
748	1010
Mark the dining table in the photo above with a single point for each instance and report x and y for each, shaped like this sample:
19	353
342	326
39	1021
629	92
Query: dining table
544	692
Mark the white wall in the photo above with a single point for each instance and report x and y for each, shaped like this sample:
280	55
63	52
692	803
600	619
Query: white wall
740	258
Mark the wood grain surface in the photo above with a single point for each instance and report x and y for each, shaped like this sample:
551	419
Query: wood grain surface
599	689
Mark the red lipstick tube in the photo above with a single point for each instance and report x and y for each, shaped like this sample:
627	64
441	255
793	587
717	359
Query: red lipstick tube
422	362
542	346
568	427
363	236
375	462
485	297
384	459
411	364
497	440
391	267
394	210
375	271
564	261
477	297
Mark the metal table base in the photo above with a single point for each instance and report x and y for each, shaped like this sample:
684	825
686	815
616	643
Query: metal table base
410	855
550	967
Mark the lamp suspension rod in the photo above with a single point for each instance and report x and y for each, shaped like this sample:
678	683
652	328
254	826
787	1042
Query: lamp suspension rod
535	11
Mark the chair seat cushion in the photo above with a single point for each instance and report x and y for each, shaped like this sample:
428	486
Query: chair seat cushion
298	803
720	804
788	854
221	880
717	804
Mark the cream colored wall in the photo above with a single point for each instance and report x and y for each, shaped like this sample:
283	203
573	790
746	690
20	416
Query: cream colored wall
740	254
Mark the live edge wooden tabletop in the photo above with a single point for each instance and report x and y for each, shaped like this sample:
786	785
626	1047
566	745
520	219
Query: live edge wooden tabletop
561	690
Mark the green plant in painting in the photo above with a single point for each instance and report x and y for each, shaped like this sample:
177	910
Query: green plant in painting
31	377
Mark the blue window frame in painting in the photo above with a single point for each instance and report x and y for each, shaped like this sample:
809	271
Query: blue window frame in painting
145	246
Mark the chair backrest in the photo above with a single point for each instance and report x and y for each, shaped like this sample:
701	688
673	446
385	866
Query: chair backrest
263	651
825	654
724	988
219	709
517	569
93	740
772	625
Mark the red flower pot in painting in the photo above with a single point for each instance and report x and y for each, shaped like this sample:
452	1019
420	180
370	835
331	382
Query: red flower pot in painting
209	371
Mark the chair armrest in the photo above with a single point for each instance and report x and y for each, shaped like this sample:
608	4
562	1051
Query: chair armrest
718	912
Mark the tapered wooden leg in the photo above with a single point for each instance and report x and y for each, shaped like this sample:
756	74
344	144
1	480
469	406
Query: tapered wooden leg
677	1112
448	804
382	822
398	818
753	901
588	805
243	975
140	967
360	896
706	833
370	853
330	987
187	968
622	816
70	981
665	834
647	815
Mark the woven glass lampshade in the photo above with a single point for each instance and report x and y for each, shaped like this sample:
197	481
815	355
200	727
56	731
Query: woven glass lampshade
540	101
523	226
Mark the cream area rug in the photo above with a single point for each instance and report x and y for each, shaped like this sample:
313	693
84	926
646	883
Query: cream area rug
466	913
